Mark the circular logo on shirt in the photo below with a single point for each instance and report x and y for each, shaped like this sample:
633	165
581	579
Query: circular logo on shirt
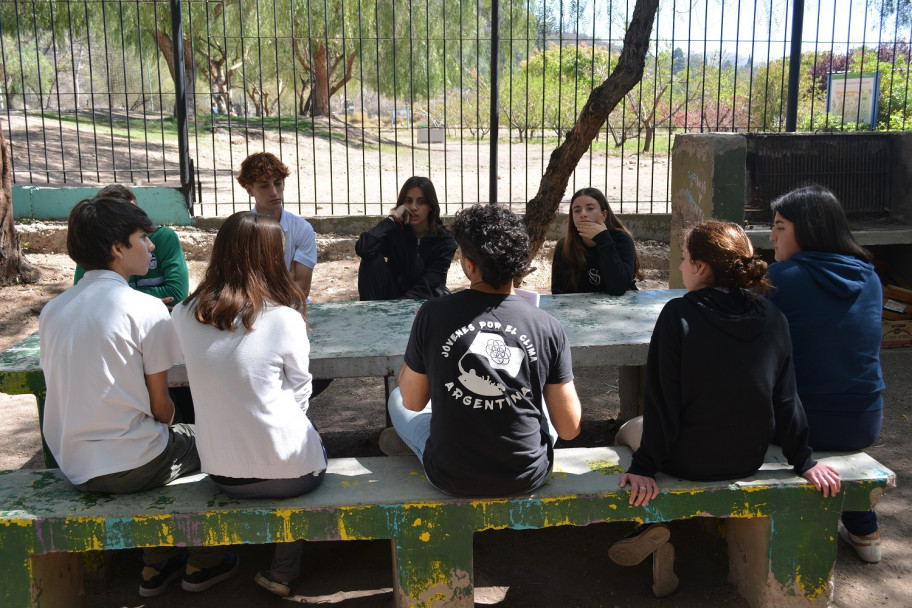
153	263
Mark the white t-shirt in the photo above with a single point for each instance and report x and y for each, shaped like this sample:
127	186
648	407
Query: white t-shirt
300	240
250	395
99	340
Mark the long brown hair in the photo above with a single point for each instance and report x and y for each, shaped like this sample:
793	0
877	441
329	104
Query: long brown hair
246	272
430	197
574	249
727	250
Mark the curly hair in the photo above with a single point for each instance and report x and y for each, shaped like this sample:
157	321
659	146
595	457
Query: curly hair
572	246
495	239
261	166
96	224
728	252
246	272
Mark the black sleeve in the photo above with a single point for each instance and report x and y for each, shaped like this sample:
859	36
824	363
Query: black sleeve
436	264
617	261
662	403
560	272
376	241
791	421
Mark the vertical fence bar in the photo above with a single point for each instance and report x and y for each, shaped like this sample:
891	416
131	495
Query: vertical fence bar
791	115
180	97
495	96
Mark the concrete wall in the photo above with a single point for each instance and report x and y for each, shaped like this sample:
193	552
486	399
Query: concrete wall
708	180
164	205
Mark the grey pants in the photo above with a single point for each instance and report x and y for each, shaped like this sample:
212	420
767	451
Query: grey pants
179	458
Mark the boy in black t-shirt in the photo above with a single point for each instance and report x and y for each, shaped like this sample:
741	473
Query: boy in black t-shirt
496	369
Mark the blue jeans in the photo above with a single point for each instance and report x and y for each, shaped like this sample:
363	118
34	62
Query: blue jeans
415	427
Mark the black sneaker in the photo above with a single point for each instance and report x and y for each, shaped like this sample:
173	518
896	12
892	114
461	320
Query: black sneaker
264	580
157	577
200	580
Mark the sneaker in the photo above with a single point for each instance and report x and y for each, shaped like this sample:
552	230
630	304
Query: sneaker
280	588
391	444
664	579
867	547
638	546
157	577
198	579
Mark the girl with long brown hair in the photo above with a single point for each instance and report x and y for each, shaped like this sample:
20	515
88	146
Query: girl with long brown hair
598	253
245	344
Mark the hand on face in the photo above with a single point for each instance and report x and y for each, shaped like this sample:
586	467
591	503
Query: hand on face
588	229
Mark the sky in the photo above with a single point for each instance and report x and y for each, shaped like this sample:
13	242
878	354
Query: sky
731	25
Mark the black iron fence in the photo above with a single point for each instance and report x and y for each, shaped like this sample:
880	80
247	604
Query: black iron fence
357	95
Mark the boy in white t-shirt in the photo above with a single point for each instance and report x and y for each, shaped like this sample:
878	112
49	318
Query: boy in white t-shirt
105	351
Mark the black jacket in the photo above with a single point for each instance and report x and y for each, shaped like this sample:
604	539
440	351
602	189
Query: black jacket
610	266
719	383
419	266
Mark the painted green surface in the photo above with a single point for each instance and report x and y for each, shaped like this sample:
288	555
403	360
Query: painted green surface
164	205
377	498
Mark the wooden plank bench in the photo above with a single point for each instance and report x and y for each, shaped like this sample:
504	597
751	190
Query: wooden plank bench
781	532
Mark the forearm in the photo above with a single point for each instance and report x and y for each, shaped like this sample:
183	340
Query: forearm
160	403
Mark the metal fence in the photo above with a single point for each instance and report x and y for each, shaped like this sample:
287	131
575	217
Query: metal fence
357	95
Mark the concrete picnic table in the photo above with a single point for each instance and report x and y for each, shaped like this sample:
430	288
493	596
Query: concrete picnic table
361	339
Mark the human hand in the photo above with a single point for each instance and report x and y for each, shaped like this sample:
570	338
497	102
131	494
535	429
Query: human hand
642	488
588	229
824	477
167	302
400	213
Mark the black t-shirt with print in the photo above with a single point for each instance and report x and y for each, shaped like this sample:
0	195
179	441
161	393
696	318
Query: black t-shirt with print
487	358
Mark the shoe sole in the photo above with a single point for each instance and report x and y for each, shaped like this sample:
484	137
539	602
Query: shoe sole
280	589
862	549
197	587
391	444
632	551
664	580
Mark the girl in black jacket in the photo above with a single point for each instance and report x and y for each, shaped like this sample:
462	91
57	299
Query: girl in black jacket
719	385
408	254
598	254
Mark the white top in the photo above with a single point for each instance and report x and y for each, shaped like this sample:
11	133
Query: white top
300	241
99	339
250	395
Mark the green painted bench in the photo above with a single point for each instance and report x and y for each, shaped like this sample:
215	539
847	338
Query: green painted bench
781	532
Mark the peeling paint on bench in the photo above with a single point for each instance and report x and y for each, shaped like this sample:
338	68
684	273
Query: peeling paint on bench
388	498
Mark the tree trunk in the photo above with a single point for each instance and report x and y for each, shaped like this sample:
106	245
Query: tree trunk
14	268
164	45
320	92
542	210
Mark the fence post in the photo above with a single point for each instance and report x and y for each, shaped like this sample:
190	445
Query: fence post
180	103
495	96
791	109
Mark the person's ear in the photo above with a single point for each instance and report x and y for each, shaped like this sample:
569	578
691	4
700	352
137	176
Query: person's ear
249	189
117	250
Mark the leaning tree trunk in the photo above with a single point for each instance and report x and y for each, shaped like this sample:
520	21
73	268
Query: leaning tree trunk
13	266
542	210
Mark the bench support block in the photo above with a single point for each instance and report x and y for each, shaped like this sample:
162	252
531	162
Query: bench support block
434	576
753	568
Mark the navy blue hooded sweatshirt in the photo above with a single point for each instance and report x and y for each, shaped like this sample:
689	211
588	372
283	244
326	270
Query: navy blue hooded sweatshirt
833	304
719	383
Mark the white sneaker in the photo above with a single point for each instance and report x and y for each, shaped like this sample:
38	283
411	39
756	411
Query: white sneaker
867	547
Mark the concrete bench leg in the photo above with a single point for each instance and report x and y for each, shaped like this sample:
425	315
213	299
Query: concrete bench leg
631	383
433	572
764	558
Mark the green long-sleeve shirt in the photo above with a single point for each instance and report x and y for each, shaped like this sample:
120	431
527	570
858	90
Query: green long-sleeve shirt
167	276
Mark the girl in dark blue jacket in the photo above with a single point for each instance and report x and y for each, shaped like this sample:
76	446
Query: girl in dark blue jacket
826	286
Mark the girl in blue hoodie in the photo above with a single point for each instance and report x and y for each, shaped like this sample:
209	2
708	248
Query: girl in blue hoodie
826	286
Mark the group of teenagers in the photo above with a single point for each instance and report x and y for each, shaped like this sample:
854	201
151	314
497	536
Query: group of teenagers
748	356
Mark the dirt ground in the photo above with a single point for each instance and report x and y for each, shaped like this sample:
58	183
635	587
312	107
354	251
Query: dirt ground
559	566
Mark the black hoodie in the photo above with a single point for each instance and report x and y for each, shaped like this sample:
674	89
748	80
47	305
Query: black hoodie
719	383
